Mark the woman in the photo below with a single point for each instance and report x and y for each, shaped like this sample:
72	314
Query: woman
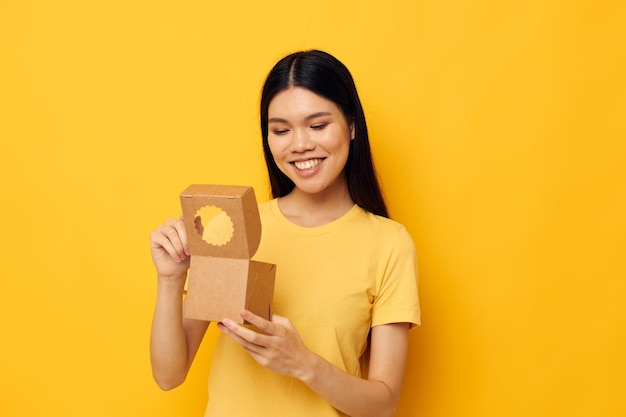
346	288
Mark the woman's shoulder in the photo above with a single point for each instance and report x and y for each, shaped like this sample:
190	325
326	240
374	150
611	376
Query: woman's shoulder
384	227
382	222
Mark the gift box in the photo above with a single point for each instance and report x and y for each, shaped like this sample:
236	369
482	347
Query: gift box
224	231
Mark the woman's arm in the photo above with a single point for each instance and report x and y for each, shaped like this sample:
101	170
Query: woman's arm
174	341
280	349
379	394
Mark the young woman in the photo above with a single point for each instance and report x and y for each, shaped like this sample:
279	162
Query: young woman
346	284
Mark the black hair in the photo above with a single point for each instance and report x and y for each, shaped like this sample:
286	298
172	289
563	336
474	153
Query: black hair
324	75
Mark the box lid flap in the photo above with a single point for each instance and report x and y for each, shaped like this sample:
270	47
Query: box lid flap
221	220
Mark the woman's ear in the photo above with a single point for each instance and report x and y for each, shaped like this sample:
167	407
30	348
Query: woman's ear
352	129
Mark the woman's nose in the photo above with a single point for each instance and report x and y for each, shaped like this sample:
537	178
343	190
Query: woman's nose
301	141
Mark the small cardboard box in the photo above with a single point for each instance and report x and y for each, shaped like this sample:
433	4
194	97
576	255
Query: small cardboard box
224	231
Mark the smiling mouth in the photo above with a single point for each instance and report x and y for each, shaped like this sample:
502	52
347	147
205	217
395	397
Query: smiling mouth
308	164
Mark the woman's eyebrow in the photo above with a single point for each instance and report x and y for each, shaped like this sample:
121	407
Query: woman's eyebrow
309	117
318	114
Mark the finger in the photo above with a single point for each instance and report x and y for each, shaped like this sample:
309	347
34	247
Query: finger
256	351
283	321
230	333
257	321
166	238
278	326
179	225
252	348
171	231
161	242
246	337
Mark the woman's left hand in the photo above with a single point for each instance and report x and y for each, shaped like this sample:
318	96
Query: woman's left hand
279	346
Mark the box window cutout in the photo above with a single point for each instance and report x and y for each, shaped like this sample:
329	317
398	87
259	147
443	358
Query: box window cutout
214	225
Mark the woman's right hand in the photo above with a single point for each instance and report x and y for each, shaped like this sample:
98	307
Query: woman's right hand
170	250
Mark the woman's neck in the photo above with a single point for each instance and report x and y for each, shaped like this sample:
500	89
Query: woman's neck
313	210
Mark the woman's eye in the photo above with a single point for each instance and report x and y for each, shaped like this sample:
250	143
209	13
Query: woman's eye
319	126
280	131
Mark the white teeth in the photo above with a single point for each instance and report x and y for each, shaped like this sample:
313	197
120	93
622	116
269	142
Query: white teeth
308	164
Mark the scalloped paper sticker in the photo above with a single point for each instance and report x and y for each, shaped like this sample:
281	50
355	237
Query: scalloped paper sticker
214	225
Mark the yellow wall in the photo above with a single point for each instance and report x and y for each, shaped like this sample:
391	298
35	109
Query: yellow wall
498	128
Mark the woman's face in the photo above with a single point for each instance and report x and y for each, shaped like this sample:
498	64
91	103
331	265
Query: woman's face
309	138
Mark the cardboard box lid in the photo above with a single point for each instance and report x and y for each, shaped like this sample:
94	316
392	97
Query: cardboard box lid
221	220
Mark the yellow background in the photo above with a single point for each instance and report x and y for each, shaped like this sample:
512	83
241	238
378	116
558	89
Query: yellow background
499	132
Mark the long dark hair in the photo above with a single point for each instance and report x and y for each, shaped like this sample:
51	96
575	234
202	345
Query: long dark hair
325	76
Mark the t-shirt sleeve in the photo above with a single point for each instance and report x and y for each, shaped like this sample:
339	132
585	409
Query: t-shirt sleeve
397	297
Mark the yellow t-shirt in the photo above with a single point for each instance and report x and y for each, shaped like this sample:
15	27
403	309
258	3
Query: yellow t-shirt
334	283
